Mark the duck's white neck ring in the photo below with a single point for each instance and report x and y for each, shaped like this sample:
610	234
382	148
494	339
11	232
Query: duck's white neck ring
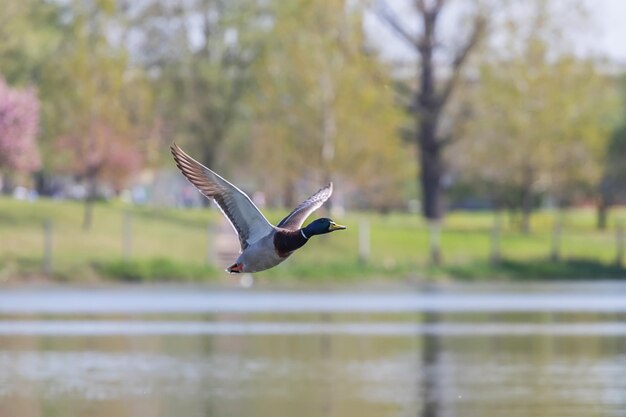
303	235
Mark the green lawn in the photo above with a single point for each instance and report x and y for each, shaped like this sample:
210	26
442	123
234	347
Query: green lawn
171	244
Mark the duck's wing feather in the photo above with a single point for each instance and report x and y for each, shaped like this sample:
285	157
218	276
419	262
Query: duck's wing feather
243	215
296	218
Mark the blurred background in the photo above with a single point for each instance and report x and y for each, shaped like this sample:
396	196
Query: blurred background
478	153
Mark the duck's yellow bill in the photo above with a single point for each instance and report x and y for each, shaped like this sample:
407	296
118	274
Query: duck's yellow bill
335	226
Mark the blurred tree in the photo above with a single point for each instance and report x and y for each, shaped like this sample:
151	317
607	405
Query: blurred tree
99	134
432	94
19	124
540	118
613	183
29	36
588	105
612	187
199	54
325	108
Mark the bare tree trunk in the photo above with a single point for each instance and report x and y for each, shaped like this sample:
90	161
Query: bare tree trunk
604	204
557	232
434	230
526	202
496	232
526	206
428	111
429	108
430	173
430	99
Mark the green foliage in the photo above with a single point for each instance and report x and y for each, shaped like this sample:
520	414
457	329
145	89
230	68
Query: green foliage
155	269
95	126
325	108
200	55
538	269
29	35
541	116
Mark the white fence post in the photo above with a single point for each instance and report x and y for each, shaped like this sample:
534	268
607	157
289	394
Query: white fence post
127	241
619	243
47	246
557	232
494	254
364	241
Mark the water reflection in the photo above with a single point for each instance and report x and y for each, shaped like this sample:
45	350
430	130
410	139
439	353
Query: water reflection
429	331
158	300
431	367
434	363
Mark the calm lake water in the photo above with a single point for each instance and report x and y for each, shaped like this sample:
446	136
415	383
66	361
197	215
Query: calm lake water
484	351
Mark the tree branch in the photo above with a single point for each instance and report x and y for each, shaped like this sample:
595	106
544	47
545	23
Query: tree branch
478	30
386	14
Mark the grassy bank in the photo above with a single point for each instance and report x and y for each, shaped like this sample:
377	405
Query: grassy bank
171	244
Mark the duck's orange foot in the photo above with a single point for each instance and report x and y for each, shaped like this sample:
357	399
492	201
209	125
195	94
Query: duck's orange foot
235	268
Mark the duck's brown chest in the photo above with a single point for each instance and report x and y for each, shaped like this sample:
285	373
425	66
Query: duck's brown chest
287	241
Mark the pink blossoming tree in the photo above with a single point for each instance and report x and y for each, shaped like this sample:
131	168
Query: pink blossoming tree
19	125
101	153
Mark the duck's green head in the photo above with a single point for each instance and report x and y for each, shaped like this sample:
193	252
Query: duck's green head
322	226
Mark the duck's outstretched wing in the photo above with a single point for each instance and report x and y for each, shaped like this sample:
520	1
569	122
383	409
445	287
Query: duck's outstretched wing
244	216
295	219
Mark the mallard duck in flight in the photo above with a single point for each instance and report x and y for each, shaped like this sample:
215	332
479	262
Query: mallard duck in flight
263	245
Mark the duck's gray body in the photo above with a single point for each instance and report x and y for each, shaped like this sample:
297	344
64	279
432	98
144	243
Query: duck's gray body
260	255
263	245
